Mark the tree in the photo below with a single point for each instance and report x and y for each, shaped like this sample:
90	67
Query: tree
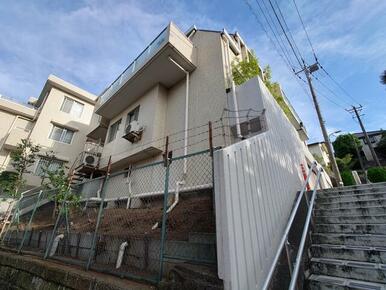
46	166
344	144
21	159
245	70
63	197
383	77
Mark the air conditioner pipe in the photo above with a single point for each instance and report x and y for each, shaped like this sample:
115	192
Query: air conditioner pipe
233	87
122	248
55	244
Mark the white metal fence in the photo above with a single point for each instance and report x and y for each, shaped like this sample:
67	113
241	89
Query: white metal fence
256	182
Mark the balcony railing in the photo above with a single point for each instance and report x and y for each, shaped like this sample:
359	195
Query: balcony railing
148	70
146	54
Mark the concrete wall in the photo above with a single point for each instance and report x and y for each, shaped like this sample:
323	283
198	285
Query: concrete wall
319	149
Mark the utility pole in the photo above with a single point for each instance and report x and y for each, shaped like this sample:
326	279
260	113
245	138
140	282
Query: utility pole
308	70
357	115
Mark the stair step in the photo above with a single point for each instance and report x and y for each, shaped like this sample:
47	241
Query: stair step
370	210
351	228
349	239
322	282
352	197
347	204
352	219
359	187
370	272
347	252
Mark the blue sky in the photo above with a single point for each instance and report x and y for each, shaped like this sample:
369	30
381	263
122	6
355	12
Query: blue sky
90	42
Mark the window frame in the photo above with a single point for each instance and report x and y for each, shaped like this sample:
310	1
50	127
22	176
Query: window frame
109	135
63	133
71	111
39	164
133	115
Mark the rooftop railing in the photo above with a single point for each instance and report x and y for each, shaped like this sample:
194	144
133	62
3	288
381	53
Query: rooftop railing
145	55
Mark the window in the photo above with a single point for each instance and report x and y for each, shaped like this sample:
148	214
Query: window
132	116
72	107
61	134
114	128
47	164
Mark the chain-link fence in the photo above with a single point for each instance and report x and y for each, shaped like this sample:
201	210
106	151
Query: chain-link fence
136	223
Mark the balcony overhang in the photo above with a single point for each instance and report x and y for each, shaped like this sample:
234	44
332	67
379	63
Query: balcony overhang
153	66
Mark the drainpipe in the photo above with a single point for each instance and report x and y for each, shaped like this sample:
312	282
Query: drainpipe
55	244
122	248
233	87
186	112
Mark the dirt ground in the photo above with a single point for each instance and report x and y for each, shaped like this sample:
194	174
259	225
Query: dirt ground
194	213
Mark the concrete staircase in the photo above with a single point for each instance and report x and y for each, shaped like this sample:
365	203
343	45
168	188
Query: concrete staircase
348	248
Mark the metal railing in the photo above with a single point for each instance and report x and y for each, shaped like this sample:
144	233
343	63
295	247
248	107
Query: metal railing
294	269
144	56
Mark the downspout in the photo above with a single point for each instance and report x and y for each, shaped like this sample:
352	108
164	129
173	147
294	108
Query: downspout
122	248
233	87
55	244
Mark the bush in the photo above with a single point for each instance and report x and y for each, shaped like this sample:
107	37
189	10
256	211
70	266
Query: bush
376	174
347	178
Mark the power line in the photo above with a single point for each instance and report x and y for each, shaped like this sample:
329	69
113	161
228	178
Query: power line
292	45
338	85
285	55
329	89
305	30
287	27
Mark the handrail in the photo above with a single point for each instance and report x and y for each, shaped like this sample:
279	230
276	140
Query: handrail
299	255
287	229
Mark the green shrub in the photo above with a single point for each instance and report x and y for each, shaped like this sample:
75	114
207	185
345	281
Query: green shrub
347	178
377	174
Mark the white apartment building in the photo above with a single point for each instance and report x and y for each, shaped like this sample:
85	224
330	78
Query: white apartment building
319	149
180	81
58	120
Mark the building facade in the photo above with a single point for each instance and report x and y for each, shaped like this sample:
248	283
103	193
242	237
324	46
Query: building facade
58	121
180	82
375	137
319	150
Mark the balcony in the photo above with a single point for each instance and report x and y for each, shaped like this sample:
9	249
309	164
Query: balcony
152	66
14	137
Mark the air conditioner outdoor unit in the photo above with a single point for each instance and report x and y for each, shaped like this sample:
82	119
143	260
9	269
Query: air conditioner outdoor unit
133	132
90	159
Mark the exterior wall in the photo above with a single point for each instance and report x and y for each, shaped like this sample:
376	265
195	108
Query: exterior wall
12	116
162	111
20	122
151	116
256	181
51	113
319	150
366	148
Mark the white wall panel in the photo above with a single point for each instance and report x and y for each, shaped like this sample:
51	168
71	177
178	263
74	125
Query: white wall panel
256	181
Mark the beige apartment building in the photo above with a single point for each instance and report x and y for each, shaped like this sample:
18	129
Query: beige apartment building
180	82
58	120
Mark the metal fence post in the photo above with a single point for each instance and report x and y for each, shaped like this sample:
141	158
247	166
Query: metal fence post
30	221
100	212
164	218
167	161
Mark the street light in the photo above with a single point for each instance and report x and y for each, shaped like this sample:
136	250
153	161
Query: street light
333	133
